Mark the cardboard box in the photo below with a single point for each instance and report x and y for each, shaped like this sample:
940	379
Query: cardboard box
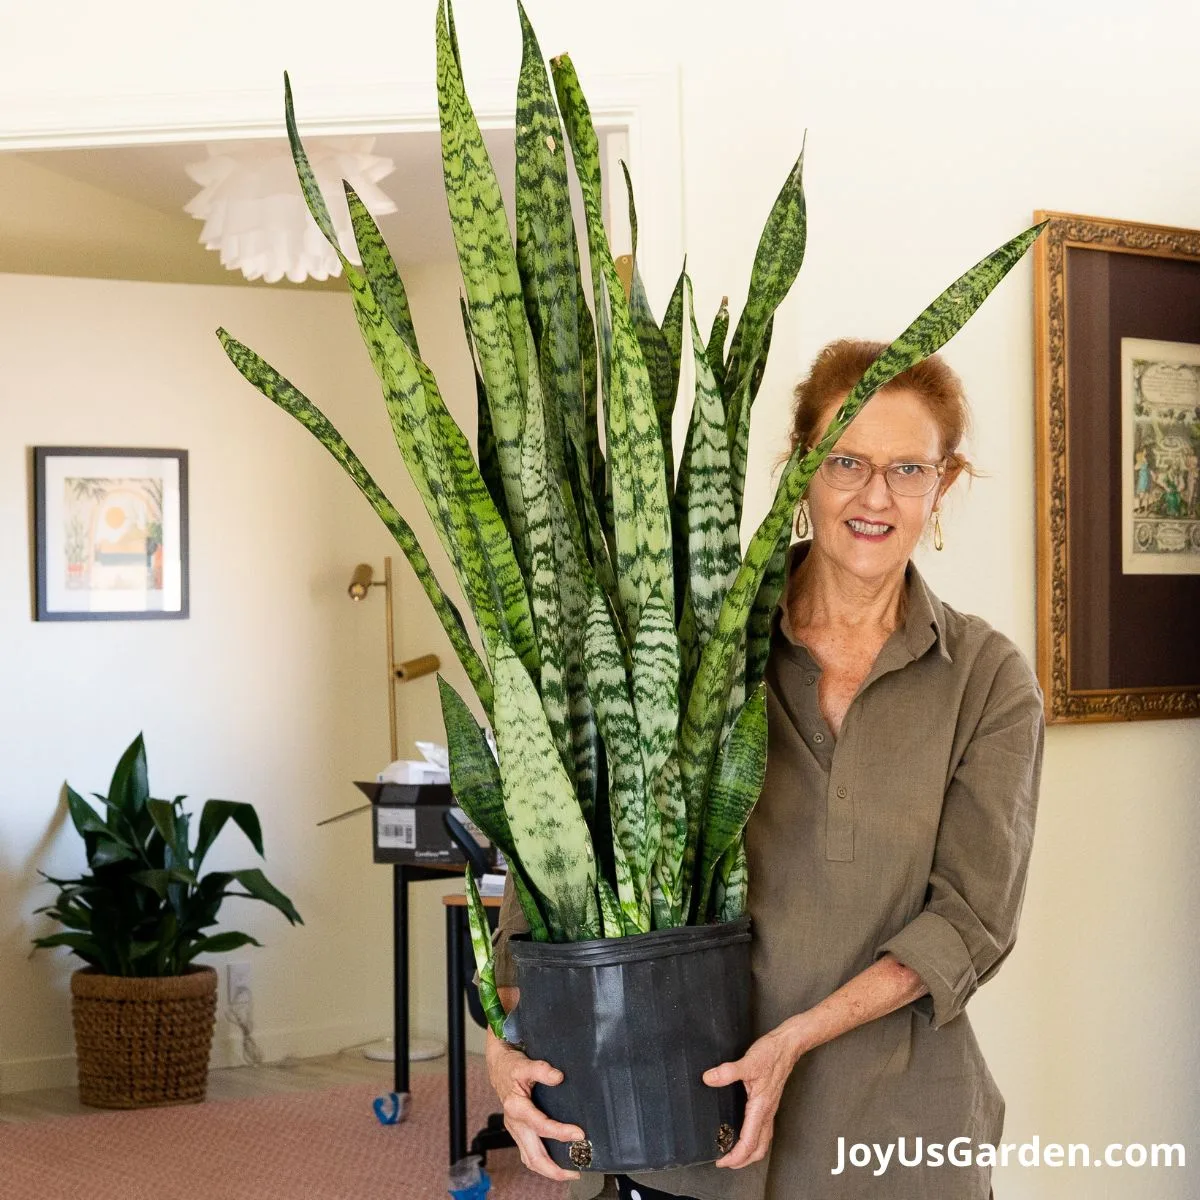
407	827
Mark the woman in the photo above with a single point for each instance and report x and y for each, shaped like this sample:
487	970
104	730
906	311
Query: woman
889	848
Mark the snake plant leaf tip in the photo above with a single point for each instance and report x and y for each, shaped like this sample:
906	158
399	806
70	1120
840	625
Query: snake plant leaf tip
621	634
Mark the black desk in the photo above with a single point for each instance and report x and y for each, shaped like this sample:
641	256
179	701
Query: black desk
457	924
402	875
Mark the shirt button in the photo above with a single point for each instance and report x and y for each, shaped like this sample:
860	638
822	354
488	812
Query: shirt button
810	679
841	793
818	738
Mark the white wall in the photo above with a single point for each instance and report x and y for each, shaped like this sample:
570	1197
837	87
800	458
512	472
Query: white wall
272	692
935	130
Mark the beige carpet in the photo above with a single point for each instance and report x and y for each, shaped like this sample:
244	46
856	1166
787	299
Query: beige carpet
310	1145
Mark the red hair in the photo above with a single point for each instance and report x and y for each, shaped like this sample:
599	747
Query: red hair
840	365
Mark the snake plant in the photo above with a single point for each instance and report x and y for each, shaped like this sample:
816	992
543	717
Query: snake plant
622	634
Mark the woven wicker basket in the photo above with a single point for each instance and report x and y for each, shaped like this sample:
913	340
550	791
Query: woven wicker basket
141	1042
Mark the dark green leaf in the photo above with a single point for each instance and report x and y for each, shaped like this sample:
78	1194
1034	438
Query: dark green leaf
162	813
83	945
84	817
219	943
213	818
258	887
129	789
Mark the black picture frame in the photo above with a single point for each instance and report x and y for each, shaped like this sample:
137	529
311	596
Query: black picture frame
83	572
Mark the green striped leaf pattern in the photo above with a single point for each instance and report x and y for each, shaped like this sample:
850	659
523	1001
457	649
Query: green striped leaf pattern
547	825
621	626
634	444
714	349
777	262
656	684
544	568
475	780
714	550
672	331
734	882
380	269
737	782
548	263
485	439
481	944
308	180
547	252
669	894
491	574
489	268
434	448
440	462
758	628
289	398
661	365
608	685
707	704
941	320
611	918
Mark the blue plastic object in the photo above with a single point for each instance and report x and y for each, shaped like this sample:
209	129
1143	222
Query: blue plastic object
468	1180
387	1109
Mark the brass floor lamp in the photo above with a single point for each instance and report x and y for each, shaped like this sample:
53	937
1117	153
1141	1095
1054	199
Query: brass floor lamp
361	583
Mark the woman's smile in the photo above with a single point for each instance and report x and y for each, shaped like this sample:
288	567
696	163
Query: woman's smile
868	531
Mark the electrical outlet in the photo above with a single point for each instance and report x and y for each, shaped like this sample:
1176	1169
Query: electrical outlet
238	982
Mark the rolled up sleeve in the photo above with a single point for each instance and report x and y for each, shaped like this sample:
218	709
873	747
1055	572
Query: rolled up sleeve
511	921
981	857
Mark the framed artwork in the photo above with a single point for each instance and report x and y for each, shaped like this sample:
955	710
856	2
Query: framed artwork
1117	310
111	534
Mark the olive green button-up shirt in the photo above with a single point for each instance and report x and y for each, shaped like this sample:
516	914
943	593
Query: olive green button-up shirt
909	832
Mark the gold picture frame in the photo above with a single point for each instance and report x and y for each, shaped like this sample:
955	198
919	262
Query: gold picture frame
1116	641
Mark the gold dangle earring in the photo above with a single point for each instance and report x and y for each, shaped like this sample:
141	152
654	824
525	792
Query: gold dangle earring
937	530
802	511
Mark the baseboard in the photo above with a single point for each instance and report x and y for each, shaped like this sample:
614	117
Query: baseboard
33	1074
300	1042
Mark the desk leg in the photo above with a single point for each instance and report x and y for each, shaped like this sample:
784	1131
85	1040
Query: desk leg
456	918
400	976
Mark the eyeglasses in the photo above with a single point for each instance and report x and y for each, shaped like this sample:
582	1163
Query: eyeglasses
905	479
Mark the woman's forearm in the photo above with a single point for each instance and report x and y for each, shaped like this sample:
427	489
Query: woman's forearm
882	988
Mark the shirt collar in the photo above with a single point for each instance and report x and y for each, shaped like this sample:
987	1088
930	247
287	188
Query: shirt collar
925	617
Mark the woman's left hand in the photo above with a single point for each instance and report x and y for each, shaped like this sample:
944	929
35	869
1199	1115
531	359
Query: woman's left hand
764	1069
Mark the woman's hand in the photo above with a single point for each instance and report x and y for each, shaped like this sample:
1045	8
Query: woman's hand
764	1069
513	1075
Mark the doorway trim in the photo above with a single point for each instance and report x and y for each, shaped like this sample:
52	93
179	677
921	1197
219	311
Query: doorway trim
646	105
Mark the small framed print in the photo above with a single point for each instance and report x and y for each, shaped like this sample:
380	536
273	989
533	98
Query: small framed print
1118	469
111	534
1160	457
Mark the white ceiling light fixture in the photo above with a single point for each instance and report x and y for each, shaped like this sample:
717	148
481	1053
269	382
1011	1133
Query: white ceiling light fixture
254	212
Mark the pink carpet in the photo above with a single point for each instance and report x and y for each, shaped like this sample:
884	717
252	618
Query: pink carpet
312	1145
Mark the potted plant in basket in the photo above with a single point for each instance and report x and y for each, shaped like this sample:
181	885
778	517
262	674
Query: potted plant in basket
143	1009
623	632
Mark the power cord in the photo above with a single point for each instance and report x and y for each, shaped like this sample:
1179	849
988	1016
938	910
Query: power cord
239	1014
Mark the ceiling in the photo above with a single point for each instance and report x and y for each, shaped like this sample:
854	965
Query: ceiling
117	212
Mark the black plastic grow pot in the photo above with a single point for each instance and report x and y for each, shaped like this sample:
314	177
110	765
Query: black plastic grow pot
633	1023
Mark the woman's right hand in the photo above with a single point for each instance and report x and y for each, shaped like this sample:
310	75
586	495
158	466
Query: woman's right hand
513	1075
